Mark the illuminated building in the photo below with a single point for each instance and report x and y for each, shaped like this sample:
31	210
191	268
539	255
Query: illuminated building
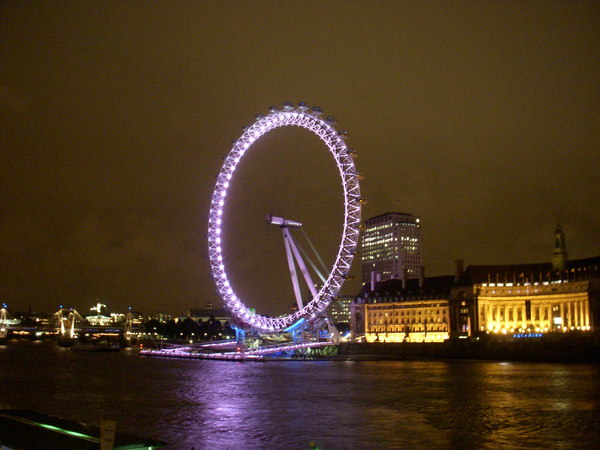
413	311
339	309
43	319
391	247
100	318
529	298
558	298
161	316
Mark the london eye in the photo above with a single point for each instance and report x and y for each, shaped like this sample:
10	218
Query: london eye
312	120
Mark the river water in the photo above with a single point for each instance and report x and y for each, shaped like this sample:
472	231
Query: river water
291	404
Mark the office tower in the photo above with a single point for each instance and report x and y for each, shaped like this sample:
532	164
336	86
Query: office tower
391	247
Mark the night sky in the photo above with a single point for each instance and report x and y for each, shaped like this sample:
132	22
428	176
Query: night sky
482	118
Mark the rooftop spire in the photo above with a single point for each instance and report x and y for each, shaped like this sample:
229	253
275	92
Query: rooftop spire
559	254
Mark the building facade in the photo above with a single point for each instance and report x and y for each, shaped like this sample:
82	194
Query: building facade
558	298
209	312
339	310
528	299
391	247
413	311
513	301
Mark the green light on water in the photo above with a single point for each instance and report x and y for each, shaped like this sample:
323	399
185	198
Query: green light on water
69	432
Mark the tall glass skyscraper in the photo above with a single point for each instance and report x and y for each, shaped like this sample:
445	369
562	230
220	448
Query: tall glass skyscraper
391	247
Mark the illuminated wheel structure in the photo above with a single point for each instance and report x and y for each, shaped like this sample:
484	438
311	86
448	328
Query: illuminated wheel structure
311	120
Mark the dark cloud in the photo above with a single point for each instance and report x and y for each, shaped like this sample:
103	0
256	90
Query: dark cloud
481	118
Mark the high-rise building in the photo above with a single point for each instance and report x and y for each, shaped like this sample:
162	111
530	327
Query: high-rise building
339	309
391	247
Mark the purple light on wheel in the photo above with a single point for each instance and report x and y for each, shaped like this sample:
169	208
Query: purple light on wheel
324	130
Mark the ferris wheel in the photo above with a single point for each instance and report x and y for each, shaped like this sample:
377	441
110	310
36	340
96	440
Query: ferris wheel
310	119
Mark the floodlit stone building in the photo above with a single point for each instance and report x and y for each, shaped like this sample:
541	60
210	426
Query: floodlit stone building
413	311
558	298
527	299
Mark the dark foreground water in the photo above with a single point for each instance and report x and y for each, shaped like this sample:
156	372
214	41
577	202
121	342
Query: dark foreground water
288	405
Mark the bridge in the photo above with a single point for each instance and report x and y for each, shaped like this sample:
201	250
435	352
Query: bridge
5	323
67	327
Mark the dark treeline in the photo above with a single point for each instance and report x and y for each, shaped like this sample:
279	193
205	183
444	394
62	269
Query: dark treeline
208	330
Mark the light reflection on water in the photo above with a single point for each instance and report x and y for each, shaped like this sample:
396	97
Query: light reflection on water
392	404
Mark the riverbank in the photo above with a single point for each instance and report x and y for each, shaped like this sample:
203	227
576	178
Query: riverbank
572	351
578	350
21	428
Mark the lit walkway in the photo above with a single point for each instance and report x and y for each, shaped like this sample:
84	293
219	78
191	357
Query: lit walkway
245	354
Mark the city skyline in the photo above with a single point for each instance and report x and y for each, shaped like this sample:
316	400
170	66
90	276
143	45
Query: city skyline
481	119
